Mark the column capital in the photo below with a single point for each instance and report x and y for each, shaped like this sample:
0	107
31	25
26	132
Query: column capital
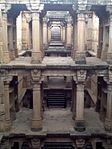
69	19
7	80
45	20
36	75
35	143
35	15
81	76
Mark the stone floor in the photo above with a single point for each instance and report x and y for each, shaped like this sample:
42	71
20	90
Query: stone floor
55	61
56	121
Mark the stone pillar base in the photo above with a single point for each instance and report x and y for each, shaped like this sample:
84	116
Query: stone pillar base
7	125
109	58
79	125
36	58
108	125
80	58
68	46
45	46
6	58
36	125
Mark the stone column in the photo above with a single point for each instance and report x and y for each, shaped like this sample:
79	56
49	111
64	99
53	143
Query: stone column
37	117
74	99
7	105
74	38
25	31
69	33
5	39
45	34
49	34
80	53
109	53
105	43
1	37
108	121
36	53
79	118
63	34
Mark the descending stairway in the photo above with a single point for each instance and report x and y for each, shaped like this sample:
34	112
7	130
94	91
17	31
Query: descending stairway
56	99
58	145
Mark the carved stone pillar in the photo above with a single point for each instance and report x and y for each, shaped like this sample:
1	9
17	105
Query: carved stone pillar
74	39
108	121
36	33
37	117
45	33
7	105
105	43
63	34
69	33
5	39
109	53
79	119
74	99
1	37
80	53
49	34
25	31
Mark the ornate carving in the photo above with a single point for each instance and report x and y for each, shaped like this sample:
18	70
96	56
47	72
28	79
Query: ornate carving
81	75
80	143
35	143
36	75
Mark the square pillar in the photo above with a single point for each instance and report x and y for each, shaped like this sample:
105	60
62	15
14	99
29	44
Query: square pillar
37	103
6	58
79	119
80	53
69	33
45	33
7	105
79	115
109	52
108	120
36	34
37	117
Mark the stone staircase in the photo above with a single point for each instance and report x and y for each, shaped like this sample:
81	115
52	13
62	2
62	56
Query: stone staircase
58	145
56	99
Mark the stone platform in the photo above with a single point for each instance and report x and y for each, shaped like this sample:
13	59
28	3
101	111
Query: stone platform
56	121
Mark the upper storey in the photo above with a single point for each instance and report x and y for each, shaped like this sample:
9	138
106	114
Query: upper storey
88	2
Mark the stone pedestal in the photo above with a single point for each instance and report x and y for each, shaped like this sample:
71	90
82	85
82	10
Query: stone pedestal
79	119
80	58
108	121
36	33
